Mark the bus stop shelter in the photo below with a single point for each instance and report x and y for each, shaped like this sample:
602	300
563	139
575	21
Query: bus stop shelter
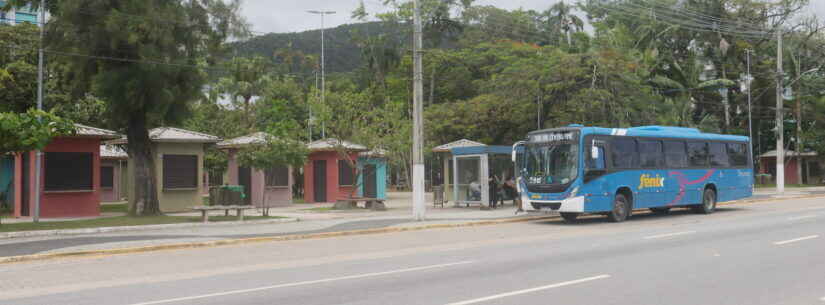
445	153
474	167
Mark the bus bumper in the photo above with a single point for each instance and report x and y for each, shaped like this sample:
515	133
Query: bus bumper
572	205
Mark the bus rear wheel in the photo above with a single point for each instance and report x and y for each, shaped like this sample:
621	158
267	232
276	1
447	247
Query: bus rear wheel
621	209
569	217
708	205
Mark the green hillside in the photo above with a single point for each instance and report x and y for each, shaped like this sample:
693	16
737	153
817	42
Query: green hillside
342	51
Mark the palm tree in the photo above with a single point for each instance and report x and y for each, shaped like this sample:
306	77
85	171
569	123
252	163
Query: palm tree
561	20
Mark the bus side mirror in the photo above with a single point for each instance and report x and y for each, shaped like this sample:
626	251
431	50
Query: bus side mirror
594	152
514	153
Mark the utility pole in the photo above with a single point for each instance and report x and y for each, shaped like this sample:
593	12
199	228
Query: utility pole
750	108
419	208
780	130
323	66
39	154
798	98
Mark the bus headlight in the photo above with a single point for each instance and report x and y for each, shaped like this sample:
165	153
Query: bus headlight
573	193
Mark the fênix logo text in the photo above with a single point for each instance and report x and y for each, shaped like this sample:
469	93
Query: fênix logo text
646	181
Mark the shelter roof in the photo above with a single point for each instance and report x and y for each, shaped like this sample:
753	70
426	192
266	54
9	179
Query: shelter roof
84	131
174	135
789	153
460	143
482	150
112	152
331	144
255	138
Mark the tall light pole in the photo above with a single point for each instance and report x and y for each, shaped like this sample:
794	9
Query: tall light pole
323	65
750	108
39	154
780	119
419	208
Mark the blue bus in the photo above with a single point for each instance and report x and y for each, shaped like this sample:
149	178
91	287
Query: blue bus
578	170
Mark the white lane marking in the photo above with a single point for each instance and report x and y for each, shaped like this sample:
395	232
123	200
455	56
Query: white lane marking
669	234
779	243
350	277
509	294
802	217
822	299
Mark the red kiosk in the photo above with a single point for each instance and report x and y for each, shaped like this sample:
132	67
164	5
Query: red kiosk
327	174
70	176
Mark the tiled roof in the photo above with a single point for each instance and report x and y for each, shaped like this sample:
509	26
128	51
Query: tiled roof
175	135
255	138
112	152
331	144
93	132
789	153
459	143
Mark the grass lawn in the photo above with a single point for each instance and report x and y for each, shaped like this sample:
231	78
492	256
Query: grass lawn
119	221
114	208
319	209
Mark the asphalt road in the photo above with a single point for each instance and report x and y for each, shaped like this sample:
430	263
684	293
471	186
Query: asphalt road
764	253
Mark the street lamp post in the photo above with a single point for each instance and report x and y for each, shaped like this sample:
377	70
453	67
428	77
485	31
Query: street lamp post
323	64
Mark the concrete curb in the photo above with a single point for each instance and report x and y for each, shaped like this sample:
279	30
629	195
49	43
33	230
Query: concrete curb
205	244
44	233
193	245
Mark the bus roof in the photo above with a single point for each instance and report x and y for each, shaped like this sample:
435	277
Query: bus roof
649	131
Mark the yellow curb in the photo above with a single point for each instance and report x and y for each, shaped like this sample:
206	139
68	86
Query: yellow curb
216	243
192	245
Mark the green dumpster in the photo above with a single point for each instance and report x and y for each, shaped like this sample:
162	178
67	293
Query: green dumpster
227	195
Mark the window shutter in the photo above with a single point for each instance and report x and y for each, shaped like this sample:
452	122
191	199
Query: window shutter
68	171
345	173
107	176
277	176
180	171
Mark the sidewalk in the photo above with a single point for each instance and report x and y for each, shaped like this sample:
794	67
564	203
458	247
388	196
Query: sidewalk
311	222
398	215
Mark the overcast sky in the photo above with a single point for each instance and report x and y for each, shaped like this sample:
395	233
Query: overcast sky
290	15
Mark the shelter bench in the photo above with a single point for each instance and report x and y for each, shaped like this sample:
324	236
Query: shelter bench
226	208
374	204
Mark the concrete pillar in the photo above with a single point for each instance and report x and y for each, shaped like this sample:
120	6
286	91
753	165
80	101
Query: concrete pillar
18	185
232	168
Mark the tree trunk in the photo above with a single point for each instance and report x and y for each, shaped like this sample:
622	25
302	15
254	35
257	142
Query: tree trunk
145	200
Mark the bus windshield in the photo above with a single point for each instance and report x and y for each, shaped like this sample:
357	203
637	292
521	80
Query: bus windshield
551	163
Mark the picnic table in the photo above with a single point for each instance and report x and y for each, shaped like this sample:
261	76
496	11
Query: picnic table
226	208
374	204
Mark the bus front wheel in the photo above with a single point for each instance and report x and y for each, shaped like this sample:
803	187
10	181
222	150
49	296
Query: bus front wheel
708	205
621	209
569	217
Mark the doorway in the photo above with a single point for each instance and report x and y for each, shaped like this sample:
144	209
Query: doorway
245	179
370	182
319	179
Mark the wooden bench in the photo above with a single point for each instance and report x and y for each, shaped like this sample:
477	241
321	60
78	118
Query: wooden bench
374	204
226	208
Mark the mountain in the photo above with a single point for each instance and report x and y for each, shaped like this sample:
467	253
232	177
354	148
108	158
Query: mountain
342	53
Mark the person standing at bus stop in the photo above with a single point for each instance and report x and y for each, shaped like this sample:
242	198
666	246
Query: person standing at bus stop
493	183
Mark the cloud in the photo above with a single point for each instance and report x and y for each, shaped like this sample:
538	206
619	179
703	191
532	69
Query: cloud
290	15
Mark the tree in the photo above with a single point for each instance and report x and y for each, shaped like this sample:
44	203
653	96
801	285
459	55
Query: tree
273	152
247	79
160	49
561	22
